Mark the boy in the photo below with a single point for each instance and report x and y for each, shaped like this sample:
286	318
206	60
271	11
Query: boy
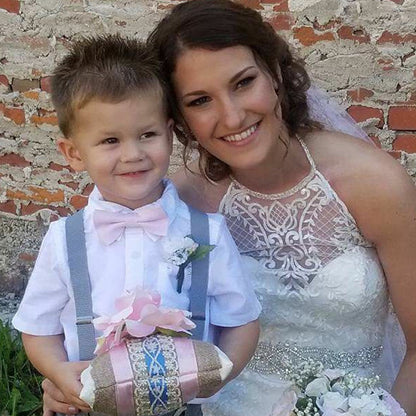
112	109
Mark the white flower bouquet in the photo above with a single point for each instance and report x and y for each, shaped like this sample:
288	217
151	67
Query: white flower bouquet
334	392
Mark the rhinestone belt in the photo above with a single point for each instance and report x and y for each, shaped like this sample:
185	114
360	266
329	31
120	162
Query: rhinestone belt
281	358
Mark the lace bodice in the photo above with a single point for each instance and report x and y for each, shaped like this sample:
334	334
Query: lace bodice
318	279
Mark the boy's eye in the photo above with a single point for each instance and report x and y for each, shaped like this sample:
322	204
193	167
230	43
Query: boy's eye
198	101
245	81
110	140
147	135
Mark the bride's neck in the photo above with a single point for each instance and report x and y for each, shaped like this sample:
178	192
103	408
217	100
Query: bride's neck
283	170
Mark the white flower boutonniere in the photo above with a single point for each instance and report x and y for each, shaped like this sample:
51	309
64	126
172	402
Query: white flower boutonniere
182	251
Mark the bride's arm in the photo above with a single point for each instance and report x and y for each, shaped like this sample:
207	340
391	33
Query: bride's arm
382	199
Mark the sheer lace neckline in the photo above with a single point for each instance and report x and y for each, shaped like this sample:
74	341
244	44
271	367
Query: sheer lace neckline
288	192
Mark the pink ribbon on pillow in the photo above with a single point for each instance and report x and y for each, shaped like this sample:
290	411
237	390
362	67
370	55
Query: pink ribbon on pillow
188	368
124	380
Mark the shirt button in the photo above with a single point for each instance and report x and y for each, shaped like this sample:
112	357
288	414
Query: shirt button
135	255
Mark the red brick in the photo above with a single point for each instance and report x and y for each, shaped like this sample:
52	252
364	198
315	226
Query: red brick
14	160
45	84
38	120
12	6
4	80
280	5
402	118
396	155
28	257
73	185
252	4
57	166
386	63
398	1
17	115
405	142
360	94
31	208
37	194
78	201
32	95
8	206
307	36
356	34
362	113
63	211
88	189
22	85
281	21
396	38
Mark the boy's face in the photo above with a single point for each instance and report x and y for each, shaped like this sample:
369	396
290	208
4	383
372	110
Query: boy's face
125	147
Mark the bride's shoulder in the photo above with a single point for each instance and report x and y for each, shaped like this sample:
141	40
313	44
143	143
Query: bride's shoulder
341	157
196	190
367	179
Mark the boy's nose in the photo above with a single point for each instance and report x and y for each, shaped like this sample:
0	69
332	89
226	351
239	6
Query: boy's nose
132	151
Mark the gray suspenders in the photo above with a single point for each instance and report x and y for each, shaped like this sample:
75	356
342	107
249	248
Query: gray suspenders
78	267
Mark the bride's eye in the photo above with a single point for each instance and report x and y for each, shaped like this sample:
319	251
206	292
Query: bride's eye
244	82
198	101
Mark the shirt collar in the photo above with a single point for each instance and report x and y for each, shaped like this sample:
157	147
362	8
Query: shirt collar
169	201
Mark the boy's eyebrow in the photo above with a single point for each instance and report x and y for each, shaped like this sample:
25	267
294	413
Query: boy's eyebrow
232	79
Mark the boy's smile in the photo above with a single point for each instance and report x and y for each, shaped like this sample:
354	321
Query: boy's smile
125	147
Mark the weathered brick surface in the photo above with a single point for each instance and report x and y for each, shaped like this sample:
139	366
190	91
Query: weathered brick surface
361	51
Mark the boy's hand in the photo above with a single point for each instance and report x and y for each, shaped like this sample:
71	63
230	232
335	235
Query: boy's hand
66	377
54	400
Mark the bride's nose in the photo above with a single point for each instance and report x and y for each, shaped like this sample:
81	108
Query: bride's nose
231	113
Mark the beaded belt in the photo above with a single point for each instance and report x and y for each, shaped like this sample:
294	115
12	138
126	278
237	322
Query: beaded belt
281	358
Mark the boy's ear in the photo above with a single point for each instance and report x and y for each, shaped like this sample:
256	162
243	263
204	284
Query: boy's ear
68	148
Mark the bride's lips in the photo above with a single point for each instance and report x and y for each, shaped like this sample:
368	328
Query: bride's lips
242	136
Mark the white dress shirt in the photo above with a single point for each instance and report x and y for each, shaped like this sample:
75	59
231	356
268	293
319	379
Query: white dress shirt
133	260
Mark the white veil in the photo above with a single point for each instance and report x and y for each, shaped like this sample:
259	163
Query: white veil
331	115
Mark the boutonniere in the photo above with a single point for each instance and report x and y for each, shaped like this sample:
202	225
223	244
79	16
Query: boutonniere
181	252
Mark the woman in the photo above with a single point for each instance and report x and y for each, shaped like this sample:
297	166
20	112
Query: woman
329	219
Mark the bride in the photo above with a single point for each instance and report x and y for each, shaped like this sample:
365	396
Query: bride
328	221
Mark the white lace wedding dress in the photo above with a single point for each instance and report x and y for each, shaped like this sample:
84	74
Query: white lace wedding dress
319	281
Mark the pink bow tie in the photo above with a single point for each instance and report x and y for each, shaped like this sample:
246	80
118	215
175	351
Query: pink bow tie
111	225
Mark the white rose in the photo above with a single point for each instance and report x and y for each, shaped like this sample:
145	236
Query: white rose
317	387
368	405
332	401
332	374
339	388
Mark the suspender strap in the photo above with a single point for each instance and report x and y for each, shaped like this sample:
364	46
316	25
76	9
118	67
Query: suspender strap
200	272
81	286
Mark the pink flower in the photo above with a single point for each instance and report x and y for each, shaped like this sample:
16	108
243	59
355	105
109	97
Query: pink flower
138	315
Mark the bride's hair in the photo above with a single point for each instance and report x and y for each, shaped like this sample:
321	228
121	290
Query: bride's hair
218	24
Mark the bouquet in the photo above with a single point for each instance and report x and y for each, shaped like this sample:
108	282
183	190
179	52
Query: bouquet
334	392
146	363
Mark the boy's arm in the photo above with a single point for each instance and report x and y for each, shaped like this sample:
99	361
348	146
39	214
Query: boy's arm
239	343
48	356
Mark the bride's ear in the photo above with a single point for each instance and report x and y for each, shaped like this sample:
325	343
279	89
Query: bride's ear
71	153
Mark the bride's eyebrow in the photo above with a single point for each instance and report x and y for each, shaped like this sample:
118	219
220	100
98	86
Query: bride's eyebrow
232	80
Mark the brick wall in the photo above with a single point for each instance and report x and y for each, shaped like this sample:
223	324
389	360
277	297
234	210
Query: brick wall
362	52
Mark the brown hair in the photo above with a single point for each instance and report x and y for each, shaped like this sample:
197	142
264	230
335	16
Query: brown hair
218	24
107	67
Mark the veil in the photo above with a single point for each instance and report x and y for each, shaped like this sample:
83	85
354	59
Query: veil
331	115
